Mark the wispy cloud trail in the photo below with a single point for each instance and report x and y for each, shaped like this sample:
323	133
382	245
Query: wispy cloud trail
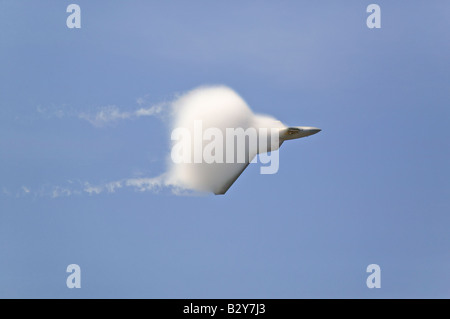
112	113
102	116
137	184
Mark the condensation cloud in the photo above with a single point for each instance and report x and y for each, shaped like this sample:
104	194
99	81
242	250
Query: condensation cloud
216	107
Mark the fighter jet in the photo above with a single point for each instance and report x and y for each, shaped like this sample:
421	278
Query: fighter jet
286	133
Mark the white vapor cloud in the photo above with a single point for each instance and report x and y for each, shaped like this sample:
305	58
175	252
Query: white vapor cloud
217	107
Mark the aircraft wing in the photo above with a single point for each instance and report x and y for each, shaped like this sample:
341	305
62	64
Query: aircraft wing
222	189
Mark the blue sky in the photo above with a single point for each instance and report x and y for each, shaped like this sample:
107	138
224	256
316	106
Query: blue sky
372	187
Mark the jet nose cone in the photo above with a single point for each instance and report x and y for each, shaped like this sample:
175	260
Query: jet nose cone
308	131
291	133
315	130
